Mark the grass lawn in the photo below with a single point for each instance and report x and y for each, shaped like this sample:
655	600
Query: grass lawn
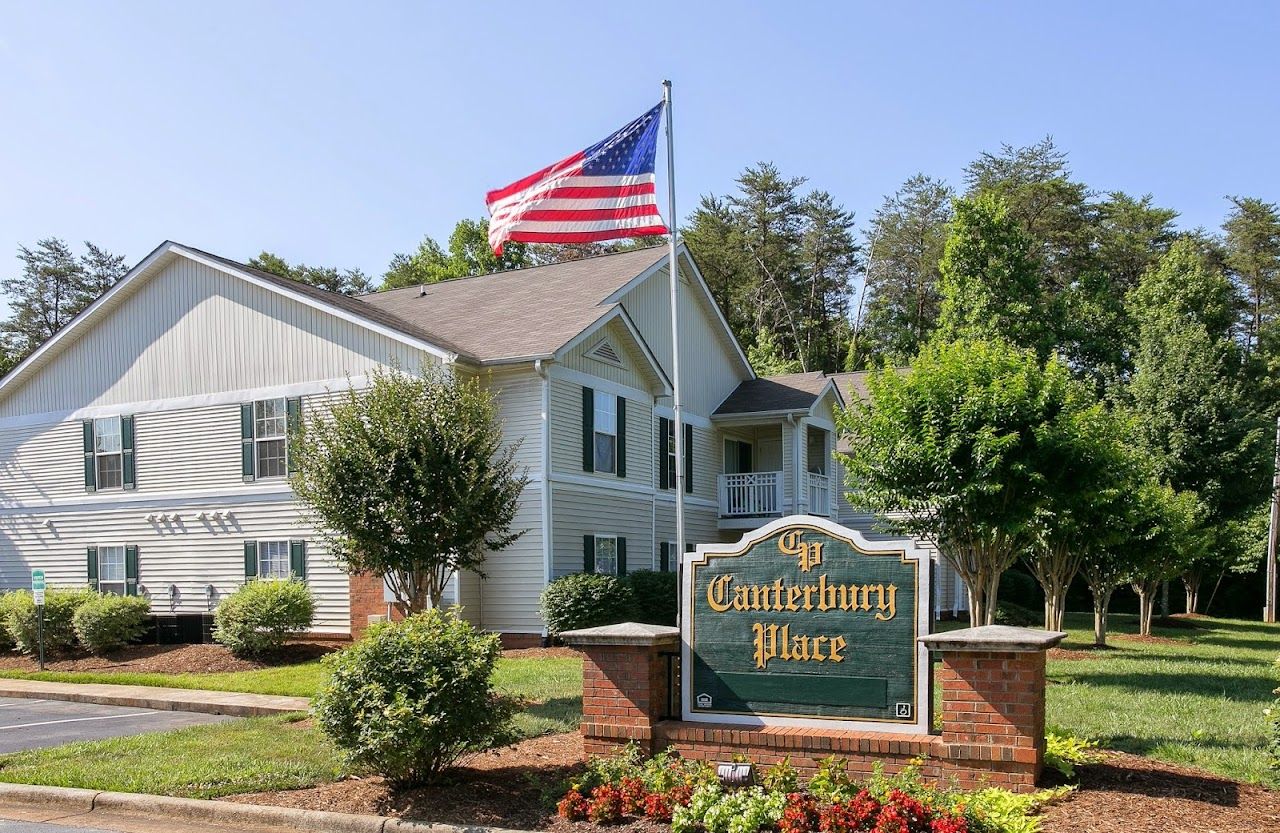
262	753
1195	701
250	755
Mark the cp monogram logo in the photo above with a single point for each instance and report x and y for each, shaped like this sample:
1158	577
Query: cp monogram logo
792	543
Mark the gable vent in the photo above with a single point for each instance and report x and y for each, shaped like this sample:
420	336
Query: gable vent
605	352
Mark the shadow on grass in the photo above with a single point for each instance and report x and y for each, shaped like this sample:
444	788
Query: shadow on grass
567	710
1220	641
1245	689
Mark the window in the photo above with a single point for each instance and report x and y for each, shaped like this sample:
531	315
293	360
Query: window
606	432
606	560
111	570
668	557
816	450
108	455
273	559
669	482
270	439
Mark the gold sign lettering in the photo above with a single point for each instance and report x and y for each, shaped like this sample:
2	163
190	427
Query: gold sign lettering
793	543
823	596
777	642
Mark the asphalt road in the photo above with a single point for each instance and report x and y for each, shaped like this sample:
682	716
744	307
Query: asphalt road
31	724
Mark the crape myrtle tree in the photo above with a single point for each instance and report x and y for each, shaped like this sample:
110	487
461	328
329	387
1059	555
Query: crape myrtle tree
1171	530
953	452
410	480
1091	470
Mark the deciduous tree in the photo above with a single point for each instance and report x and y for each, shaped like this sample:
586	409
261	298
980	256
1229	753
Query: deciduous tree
346	282
411	480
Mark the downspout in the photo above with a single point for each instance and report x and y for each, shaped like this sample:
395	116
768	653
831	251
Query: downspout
541	370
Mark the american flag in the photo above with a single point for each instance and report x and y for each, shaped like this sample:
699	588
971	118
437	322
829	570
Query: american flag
601	193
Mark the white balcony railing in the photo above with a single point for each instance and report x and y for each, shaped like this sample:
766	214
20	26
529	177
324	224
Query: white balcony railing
751	494
819	494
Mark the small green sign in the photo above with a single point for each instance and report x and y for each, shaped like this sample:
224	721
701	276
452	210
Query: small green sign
37	580
805	622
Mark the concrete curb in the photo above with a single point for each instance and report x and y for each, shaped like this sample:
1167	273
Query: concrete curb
234	704
227	813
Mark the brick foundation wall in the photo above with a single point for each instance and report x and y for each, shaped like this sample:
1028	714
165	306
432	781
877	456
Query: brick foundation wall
511	641
365	595
992	717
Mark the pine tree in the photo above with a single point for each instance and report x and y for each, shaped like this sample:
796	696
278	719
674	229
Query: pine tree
1253	256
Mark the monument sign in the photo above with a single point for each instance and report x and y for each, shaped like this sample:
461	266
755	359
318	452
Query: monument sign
807	623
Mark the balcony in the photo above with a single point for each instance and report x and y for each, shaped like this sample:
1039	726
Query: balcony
819	494
755	494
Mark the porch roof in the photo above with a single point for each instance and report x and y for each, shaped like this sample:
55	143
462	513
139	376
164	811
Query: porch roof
787	393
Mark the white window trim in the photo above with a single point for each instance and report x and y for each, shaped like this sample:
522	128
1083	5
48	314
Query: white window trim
595	561
99	455
257	468
288	556
124	568
673	557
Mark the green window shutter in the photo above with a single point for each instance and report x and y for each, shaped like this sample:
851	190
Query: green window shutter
90	471
298	559
91	556
293	411
622	437
126	448
664	556
622	556
664	449
246	441
250	559
588	429
688	457
588	553
131	570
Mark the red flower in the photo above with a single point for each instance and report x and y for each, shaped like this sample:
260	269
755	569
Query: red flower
606	804
573	806
949	824
800	815
658	808
679	796
633	795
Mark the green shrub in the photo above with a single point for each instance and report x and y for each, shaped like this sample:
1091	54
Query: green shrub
7	601
1065	752
261	615
60	605
655	597
110	622
585	600
1012	614
412	698
1020	588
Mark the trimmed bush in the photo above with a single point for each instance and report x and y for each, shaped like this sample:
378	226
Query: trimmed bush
1008	613
585	600
109	622
7	601
261	615
1020	588
412	698
655	597
60	605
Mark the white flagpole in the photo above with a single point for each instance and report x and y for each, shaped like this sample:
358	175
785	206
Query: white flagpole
678	422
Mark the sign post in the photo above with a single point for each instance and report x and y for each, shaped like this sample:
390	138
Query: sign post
37	594
807	623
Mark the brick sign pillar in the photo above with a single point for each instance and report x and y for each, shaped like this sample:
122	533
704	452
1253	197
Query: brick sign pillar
993	684
624	683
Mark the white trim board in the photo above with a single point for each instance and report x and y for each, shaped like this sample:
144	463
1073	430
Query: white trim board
184	403
211	499
568	374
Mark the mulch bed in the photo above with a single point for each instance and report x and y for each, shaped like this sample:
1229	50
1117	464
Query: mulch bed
516	786
1082	651
1130	794
1148	640
542	653
169	659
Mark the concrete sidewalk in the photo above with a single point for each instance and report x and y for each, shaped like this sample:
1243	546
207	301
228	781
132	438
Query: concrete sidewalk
231	703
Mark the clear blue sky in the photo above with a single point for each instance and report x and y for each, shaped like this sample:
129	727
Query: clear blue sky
339	134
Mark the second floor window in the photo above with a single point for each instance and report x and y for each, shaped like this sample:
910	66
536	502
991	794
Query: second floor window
108	452
604	422
606	429
271	437
264	433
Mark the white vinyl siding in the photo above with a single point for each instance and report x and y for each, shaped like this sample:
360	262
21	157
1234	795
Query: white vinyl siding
582	510
192	330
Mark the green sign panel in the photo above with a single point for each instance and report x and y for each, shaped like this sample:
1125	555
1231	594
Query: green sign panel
807	623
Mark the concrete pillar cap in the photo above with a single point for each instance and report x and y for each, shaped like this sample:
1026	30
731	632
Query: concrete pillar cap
995	638
624	633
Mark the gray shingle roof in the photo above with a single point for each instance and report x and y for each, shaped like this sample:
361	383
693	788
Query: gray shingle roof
790	392
520	314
